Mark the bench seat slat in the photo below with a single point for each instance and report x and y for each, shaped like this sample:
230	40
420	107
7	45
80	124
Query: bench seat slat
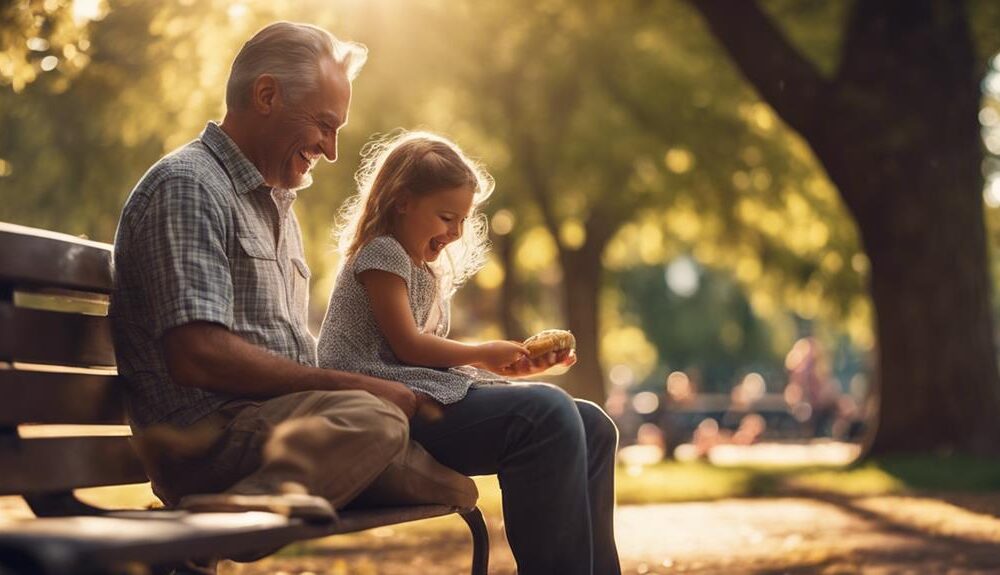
33	257
51	464
69	398
159	537
55	338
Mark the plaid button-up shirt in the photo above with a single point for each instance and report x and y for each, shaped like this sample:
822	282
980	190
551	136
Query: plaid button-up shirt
202	238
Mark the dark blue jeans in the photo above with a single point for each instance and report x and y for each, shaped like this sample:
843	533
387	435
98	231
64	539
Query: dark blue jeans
555	458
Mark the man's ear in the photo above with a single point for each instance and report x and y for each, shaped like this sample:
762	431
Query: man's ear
265	96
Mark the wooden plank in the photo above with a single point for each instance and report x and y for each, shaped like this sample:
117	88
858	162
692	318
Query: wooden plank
44	397
66	301
48	337
34	257
162	537
63	463
354	520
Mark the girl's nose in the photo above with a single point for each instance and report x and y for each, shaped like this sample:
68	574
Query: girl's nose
455	232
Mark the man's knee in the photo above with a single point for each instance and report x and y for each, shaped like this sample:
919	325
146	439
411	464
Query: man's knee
385	423
357	407
376	423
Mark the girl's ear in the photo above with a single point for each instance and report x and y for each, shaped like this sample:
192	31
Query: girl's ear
404	202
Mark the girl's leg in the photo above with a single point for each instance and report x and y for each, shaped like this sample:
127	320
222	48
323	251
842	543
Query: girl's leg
553	456
602	447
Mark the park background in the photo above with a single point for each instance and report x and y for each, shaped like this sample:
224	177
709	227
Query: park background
691	187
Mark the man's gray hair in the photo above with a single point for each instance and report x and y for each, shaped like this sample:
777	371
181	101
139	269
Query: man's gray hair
292	54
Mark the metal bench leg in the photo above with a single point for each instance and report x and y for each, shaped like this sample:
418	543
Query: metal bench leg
480	540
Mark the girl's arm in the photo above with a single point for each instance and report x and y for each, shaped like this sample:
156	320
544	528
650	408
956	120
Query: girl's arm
390	304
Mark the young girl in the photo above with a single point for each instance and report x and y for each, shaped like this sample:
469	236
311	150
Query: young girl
408	240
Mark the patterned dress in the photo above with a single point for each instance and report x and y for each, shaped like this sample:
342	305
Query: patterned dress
350	339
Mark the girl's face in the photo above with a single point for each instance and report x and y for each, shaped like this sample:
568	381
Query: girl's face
426	224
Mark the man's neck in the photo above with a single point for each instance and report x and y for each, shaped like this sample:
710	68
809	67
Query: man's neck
234	127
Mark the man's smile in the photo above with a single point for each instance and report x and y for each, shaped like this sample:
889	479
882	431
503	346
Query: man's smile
309	160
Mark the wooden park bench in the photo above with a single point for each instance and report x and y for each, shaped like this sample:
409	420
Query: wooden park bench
57	368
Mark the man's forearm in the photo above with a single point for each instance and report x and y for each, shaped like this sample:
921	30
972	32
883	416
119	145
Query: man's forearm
210	357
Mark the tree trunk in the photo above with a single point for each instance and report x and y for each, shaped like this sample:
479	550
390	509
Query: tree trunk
937	384
897	132
907	158
582	275
512	328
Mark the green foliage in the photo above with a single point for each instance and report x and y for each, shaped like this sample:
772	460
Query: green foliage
983	18
42	38
712	332
600	122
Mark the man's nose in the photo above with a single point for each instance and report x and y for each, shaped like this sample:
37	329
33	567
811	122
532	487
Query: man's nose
329	147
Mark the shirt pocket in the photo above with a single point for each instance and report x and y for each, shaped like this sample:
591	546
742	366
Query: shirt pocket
300	288
257	283
256	248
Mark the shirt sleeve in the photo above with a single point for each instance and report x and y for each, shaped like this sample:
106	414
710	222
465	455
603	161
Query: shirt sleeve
180	242
386	254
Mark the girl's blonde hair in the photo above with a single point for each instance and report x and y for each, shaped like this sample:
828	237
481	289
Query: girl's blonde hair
419	163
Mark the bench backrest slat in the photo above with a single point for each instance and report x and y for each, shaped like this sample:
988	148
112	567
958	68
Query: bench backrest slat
54	338
46	465
31	257
59	398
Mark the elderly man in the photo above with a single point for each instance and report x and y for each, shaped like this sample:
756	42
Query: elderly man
209	309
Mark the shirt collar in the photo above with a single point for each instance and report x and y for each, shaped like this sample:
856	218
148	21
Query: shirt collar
246	177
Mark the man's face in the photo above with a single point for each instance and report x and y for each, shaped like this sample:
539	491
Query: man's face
302	130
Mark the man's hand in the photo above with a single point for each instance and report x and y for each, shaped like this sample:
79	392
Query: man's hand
526	367
428	408
404	397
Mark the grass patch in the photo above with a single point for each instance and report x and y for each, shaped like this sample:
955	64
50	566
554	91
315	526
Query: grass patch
891	475
868	479
955	473
669	482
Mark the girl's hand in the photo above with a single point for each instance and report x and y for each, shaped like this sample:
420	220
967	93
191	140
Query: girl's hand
499	355
527	367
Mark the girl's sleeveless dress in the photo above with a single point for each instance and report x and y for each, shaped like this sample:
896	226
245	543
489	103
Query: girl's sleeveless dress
350	339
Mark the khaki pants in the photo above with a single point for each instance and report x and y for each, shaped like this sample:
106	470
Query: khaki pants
338	444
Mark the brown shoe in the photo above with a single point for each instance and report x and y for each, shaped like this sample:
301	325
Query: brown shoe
300	505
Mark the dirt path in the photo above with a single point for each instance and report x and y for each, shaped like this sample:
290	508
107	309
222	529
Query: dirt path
805	535
802	534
